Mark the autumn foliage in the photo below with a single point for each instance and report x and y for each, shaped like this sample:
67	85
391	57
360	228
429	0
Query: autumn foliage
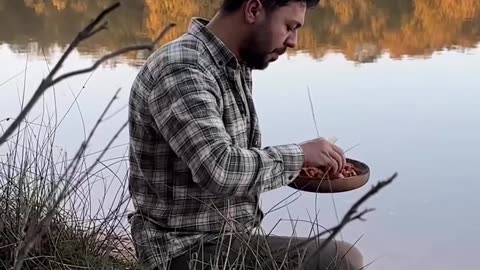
362	30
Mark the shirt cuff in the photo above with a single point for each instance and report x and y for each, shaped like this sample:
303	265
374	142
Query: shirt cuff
292	159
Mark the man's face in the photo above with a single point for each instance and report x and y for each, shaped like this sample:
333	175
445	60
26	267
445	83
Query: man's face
272	33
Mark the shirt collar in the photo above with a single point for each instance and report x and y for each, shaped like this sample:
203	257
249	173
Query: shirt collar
220	52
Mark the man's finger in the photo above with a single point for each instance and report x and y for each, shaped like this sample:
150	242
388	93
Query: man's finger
342	154
338	160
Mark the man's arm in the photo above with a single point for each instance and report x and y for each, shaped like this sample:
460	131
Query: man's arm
186	109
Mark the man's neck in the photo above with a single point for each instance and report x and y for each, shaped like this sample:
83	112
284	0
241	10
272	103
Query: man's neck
221	26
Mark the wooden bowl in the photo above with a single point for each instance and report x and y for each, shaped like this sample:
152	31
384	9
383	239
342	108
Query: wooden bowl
334	185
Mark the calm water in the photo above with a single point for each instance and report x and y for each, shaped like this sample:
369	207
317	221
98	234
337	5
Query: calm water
399	78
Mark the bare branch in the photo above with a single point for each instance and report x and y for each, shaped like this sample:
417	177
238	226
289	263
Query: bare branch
121	51
81	36
350	216
86	33
100	28
100	17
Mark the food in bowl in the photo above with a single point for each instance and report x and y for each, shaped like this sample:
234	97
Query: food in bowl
321	174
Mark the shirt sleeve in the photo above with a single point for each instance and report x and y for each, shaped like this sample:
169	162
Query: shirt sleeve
185	104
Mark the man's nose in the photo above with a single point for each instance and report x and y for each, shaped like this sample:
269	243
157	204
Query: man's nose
291	41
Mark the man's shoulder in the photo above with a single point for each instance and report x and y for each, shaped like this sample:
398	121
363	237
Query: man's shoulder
186	50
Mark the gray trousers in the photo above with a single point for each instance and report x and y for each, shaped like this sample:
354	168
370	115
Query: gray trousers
272	252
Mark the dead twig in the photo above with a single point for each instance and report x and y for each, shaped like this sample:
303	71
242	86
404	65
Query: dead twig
352	215
89	31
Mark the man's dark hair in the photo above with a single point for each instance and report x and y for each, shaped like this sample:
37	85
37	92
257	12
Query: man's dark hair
233	5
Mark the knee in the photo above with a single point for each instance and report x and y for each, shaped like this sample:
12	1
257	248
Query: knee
347	255
335	255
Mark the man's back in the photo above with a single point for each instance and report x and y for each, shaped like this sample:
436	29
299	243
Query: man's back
195	158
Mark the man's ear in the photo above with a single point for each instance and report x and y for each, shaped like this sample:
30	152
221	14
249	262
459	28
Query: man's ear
253	11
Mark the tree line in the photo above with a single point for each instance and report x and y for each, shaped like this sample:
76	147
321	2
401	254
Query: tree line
362	30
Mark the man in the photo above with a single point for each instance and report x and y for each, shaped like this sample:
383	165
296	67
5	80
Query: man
196	162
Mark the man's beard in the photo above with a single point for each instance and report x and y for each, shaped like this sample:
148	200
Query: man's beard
255	53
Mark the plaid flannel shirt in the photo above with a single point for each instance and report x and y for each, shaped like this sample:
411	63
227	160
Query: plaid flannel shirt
196	162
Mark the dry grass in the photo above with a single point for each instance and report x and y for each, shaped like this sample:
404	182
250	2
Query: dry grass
38	182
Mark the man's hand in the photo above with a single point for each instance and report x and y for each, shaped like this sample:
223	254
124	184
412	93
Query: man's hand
321	153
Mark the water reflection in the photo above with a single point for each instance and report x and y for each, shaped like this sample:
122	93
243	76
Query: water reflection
412	116
362	30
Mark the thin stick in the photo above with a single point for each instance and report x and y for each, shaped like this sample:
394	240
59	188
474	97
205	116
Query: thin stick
313	112
90	30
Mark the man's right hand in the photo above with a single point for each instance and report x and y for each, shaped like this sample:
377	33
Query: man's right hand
321	153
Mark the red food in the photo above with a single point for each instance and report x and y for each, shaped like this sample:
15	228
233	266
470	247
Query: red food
317	173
